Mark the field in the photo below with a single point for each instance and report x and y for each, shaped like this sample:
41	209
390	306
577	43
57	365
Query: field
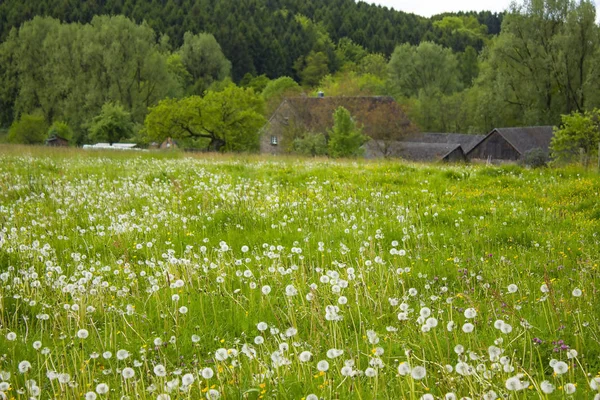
141	276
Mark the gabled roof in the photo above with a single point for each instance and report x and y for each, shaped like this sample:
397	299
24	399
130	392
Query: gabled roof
467	142
526	138
374	113
56	137
415	151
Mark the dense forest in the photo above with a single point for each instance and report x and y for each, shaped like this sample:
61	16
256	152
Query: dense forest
76	67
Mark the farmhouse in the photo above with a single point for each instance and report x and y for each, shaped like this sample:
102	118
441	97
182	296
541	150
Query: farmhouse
511	143
57	141
380	116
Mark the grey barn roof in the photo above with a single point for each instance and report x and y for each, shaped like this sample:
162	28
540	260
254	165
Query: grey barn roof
527	138
466	141
415	151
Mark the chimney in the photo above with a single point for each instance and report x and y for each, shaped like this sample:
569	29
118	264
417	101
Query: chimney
320	94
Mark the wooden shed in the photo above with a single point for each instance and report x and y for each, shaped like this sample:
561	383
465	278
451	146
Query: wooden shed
57	141
511	144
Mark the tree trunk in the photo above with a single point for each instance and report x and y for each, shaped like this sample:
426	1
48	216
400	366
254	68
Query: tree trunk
216	144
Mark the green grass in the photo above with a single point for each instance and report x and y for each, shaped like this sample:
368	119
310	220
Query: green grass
74	255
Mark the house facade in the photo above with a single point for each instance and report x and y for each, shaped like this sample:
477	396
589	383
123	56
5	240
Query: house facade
510	144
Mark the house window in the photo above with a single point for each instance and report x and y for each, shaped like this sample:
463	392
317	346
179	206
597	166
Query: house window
274	140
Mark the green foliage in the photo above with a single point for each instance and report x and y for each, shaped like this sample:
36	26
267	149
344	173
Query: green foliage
577	138
352	84
310	145
427	67
312	68
276	90
228	120
28	129
345	138
62	129
257	83
535	158
112	125
204	61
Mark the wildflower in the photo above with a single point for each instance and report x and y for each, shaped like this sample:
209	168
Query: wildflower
560	367
577	292
370	372
305	356
544	288
221	354
122	354
195	338
404	369
570	388
187	379
312	397
163	396
266	289
323	366
24	366
128	373
468	327
91	396
470	313
11	336
83	334
160	370
107	355
427	396
572	353
207	373
418	373
595	383
334	353
290	290
512	288
102	388
262	326
450	396
183	309
37	345
259	340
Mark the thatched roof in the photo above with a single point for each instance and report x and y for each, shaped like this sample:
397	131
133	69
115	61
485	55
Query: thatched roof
412	150
467	142
375	114
527	138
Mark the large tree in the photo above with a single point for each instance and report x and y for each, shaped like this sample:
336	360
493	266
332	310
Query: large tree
227	120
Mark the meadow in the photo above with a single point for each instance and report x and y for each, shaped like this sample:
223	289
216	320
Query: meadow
149	276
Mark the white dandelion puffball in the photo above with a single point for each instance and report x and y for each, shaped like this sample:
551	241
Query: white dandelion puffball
468	327
213	394
82	334
323	366
183	310
595	383
262	326
470	313
102	388
404	369
570	388
305	356
370	372
24	366
512	288
266	289
11	336
160	370
259	340
122	354
91	396
560	368
207	373
547	387
576	293
334	353
128	373
221	354
312	397
187	379
506	328
418	373
544	288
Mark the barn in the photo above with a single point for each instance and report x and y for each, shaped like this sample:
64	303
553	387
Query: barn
415	151
510	144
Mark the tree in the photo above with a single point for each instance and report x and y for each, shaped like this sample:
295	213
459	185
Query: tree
29	129
228	120
345	138
204	60
276	90
312	68
427	67
578	135
112	125
310	145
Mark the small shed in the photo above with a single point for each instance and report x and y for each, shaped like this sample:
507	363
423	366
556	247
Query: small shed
415	151
57	141
511	144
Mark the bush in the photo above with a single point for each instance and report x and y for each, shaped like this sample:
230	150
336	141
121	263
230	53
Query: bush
345	139
535	158
311	144
29	129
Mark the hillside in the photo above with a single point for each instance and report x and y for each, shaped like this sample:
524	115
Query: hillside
257	36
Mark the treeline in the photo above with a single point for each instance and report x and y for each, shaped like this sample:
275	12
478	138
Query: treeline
260	36
451	73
